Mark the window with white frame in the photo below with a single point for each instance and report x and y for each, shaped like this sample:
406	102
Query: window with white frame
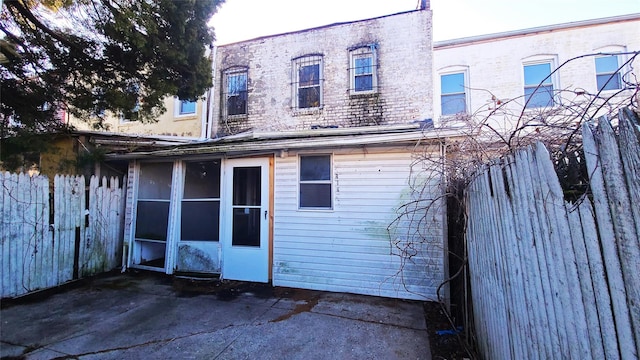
315	182
363	70
453	97
538	85
235	87
608	76
307	82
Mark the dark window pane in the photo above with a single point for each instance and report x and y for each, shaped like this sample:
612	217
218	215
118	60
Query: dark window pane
309	75
200	220
309	97
155	181
609	82
246	227
539	97
452	83
246	186
315	167
152	220
453	104
315	195
202	180
364	83
535	74
237	104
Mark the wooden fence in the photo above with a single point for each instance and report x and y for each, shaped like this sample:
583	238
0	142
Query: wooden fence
552	279
41	249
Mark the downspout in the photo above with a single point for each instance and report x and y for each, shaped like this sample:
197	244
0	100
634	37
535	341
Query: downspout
207	116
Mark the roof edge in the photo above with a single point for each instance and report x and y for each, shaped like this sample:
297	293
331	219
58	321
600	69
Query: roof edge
534	30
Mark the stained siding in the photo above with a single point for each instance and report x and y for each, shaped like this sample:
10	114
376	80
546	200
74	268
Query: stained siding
350	248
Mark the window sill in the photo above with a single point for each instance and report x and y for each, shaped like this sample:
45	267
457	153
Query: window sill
363	94
182	117
307	111
324	210
237	117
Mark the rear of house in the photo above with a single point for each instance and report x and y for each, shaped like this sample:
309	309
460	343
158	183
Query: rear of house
315	177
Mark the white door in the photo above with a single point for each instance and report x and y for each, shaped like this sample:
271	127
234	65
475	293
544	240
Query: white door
246	226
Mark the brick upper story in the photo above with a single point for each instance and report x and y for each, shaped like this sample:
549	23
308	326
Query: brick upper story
305	79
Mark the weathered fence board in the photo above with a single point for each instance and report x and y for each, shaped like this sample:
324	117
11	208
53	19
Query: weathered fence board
35	254
551	279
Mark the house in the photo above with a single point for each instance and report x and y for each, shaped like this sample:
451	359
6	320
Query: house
582	64
315	159
323	169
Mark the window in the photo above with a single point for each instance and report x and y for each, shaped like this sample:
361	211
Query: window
307	82
363	70
607	74
453	99
315	182
538	85
235	96
201	201
187	107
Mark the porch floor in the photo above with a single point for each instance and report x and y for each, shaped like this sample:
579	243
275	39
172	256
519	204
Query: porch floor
142	315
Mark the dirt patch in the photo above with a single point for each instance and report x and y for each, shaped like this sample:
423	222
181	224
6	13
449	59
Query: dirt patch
444	340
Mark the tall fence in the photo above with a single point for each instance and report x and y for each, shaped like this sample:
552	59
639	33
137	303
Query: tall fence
552	279
40	248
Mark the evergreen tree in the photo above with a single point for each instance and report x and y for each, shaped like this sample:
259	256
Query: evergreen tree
97	57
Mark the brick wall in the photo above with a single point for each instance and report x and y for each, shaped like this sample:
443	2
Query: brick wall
404	76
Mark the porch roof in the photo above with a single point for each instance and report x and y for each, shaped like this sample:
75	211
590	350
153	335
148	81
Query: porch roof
253	142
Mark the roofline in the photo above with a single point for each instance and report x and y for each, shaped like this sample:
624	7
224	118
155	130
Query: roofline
302	142
534	30
321	27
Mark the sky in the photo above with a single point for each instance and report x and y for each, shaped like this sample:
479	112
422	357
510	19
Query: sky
238	20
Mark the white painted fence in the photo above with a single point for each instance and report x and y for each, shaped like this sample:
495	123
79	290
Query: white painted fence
36	254
551	279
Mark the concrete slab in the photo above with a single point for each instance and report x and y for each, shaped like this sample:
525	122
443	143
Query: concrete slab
146	316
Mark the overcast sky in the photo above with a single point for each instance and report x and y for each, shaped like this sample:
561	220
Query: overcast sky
239	20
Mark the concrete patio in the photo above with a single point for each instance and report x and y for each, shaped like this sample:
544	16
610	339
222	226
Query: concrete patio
136	316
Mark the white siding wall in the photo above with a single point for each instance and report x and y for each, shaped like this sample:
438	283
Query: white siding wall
349	248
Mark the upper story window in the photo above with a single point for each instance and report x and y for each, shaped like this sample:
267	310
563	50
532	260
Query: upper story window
607	72
315	182
453	97
538	84
363	70
307	82
186	107
235	87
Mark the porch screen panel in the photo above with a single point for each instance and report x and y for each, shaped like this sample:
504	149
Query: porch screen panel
154	196
200	220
